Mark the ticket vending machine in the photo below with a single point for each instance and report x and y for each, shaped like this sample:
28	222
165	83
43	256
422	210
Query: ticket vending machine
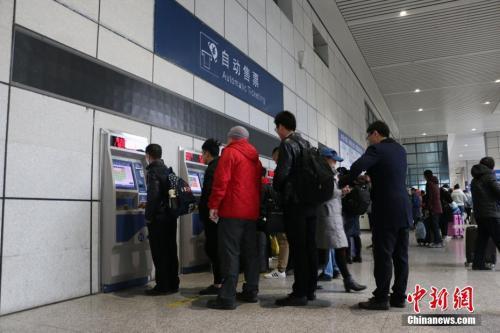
124	250
192	236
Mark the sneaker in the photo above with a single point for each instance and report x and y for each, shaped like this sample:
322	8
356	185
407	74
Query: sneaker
275	274
210	290
436	245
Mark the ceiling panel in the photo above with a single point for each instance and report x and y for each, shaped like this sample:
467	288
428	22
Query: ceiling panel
450	50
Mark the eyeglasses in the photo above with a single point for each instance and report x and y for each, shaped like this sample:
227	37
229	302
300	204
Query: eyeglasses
369	134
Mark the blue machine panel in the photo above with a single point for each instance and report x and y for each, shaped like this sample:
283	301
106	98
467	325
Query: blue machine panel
128	225
197	224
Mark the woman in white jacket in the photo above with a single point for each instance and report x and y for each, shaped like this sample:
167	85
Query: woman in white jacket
330	232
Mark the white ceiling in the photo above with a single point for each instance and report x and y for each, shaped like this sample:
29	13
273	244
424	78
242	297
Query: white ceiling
449	49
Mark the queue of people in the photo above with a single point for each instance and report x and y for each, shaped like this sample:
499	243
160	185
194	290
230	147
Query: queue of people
233	198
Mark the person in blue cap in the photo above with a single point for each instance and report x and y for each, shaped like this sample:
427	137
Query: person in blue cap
330	234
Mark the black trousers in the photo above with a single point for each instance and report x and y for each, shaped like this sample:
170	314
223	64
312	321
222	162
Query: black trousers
163	244
486	228
444	219
433	229
390	248
300	227
357	246
238	237
211	249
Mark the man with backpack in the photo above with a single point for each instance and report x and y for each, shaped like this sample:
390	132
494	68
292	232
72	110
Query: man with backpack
291	180
235	206
385	162
162	225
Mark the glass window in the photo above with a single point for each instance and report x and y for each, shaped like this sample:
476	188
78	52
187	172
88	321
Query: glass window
410	148
428	158
427	147
412	159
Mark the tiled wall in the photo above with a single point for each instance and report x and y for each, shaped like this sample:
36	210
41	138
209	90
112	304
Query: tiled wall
492	141
50	187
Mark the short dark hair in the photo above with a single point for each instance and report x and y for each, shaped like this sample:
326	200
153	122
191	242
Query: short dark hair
488	161
380	127
154	150
428	173
275	150
211	146
286	119
456	187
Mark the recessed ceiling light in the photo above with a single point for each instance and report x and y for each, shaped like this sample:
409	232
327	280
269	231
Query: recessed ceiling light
420	110
417	90
403	13
497	81
487	103
466	145
473	130
424	134
461	155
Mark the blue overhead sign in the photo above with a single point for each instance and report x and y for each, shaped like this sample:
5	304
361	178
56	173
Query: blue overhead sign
183	39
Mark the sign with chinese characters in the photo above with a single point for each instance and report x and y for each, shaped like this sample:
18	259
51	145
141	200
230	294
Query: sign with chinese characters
462	298
349	149
186	41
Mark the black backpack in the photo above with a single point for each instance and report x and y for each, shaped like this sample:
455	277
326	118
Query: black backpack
314	179
182	201
357	201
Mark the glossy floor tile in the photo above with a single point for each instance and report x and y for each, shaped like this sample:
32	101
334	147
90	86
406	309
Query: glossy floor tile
334	311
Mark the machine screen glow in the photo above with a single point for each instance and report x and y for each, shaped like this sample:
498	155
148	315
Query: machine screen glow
194	182
122	175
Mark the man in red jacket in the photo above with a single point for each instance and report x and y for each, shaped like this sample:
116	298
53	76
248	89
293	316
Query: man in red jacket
235	205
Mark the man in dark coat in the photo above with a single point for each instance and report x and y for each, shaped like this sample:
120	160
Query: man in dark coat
210	149
435	208
162	226
385	163
486	201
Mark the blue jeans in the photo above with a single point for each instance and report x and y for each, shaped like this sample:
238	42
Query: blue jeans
331	266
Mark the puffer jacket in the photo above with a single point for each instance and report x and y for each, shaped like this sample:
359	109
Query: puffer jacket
157	183
289	152
237	182
485	192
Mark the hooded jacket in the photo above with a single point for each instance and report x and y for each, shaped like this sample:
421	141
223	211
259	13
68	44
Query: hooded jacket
236	188
433	203
485	192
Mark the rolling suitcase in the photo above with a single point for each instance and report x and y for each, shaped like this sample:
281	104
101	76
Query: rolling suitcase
490	254
456	226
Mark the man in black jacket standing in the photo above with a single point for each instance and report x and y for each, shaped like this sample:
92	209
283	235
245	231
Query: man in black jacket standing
385	162
300	218
162	227
486	201
210	149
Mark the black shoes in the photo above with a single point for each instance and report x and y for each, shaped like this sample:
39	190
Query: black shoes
311	297
324	277
219	304
350	284
247	297
397	303
211	290
483	268
291	300
357	259
160	292
373	304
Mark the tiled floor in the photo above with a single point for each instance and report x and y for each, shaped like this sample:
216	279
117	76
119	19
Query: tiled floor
334	311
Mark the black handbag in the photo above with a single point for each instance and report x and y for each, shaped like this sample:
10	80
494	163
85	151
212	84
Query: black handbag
275	222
